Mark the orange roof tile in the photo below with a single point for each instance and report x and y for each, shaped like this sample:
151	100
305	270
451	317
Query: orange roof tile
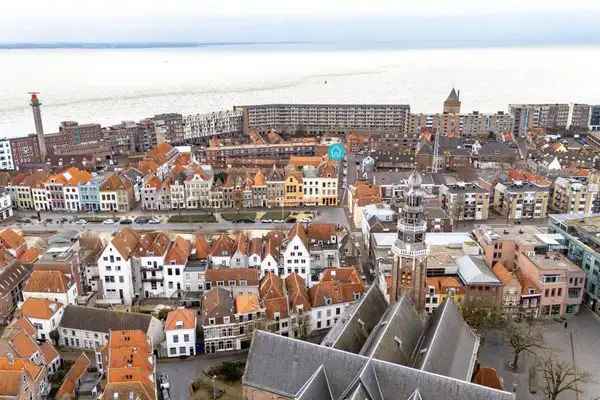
502	273
179	252
181	318
48	282
25	325
322	232
10	239
20	364
202	247
271	286
223	246
76	372
443	283
125	241
344	275
488	377
297	293
259	179
246	303
30	256
40	308
49	352
276	305
10	383
250	275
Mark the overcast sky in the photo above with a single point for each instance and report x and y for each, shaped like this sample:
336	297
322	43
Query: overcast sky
310	20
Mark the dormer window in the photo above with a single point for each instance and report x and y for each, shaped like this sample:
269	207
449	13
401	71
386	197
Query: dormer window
179	324
231	283
211	321
327	300
225	320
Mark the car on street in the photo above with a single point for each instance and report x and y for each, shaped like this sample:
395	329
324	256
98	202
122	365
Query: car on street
109	221
266	221
23	220
126	221
48	220
81	222
142	220
154	220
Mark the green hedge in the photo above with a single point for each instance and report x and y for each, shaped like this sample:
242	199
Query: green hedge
192	218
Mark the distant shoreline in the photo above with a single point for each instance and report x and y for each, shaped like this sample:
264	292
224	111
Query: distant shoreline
392	44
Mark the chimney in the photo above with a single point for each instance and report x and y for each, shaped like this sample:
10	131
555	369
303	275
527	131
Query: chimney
11	358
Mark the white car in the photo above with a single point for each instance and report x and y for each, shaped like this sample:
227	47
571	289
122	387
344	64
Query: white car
154	220
81	222
266	221
109	221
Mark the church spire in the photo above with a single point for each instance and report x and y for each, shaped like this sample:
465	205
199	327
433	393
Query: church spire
410	253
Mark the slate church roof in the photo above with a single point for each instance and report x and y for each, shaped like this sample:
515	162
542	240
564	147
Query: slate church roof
374	352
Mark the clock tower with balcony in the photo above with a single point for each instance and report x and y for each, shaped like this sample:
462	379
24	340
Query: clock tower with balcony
409	269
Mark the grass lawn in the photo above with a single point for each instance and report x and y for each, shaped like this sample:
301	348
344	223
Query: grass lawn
274	215
192	218
234	216
231	390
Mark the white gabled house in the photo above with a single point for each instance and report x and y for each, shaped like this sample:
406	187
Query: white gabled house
180	333
174	266
115	270
296	255
43	314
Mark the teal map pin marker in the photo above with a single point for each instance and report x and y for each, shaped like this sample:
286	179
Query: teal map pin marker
336	152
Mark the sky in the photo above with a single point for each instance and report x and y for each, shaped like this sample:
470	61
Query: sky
533	21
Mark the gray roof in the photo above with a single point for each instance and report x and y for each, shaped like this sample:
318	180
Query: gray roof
474	270
317	388
285	366
353	330
400	331
450	346
100	320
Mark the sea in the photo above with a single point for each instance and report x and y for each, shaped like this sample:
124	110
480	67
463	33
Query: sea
110	85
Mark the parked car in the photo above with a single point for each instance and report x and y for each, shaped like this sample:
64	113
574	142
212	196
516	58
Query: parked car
126	221
266	221
154	220
23	220
142	220
109	221
81	222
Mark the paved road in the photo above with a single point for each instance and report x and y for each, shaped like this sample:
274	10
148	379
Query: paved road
333	215
183	372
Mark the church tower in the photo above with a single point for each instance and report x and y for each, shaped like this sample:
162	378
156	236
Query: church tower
452	103
409	269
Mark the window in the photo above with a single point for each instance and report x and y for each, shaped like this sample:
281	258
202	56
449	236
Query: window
175	338
172	350
186	337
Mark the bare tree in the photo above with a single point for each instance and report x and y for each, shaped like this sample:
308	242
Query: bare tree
560	377
522	338
482	314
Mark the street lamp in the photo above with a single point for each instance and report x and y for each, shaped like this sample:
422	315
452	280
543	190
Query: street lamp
214	389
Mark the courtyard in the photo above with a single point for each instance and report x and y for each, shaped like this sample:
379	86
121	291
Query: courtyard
578	343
